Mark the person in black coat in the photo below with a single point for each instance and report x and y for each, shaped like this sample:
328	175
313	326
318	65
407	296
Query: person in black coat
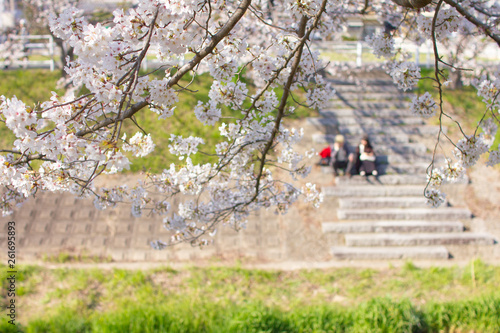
363	161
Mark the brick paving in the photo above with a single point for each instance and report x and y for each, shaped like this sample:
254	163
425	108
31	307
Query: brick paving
55	223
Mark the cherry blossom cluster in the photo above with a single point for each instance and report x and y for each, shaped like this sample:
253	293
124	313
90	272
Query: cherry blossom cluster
469	149
382	44
448	21
250	53
404	73
424	105
140	145
79	138
450	173
435	197
467	152
489	91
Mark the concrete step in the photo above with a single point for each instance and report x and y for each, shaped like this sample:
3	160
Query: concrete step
390	253
363	105
408	159
366	122
384	169
370	113
427	239
383	202
402	148
366	83
417	168
425	130
408	179
374	190
403	168
354	88
363	227
427	214
377	140
324	125
374	96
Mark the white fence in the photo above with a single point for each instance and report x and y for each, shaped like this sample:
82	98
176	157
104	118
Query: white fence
27	51
359	53
30	51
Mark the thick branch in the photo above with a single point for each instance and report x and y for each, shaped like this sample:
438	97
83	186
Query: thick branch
474	20
365	7
106	122
226	29
29	158
286	90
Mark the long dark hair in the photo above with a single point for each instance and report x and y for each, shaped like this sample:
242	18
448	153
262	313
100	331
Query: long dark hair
368	144
368	147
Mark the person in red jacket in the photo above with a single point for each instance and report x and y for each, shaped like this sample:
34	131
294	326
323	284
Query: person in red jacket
336	155
326	156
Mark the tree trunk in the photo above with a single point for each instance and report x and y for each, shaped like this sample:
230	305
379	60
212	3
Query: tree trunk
66	51
456	79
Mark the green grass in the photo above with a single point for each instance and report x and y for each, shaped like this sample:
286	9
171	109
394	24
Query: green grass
65	257
31	87
461	104
233	299
376	315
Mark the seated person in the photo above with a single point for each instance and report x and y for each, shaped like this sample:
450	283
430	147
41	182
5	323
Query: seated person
340	155
367	158
325	157
363	161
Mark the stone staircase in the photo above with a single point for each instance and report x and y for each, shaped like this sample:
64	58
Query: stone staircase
387	217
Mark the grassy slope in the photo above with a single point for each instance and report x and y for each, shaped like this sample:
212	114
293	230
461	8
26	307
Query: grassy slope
35	86
462	104
29	86
222	299
185	123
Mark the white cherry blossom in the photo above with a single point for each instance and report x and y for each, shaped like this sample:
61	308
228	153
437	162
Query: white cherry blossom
424	105
249	61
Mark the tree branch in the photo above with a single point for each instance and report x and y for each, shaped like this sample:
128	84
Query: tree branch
286	90
474	20
223	32
127	114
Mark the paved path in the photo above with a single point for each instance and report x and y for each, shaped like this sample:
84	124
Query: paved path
57	223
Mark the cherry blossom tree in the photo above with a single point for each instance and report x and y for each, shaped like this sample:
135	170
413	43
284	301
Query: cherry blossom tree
40	12
75	139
